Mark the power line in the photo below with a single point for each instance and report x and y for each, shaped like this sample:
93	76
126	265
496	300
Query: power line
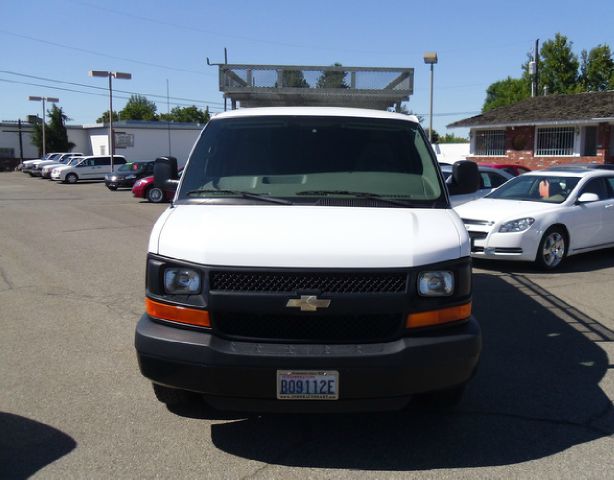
105	89
92	52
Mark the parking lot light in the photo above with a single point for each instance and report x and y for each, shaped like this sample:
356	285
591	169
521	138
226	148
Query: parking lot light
44	99
110	76
430	58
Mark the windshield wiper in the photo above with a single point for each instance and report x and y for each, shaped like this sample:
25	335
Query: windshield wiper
367	195
249	195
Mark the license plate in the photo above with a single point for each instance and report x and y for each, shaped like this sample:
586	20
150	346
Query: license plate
307	385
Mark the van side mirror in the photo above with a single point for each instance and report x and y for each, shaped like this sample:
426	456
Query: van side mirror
465	178
165	173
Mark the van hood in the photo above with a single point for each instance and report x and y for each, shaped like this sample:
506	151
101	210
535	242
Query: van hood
309	237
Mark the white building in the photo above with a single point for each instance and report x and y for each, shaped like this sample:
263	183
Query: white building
135	139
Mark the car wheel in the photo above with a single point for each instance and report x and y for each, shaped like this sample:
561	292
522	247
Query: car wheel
552	249
71	178
155	195
173	396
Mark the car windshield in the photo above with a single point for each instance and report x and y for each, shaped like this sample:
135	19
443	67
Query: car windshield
307	158
125	167
537	188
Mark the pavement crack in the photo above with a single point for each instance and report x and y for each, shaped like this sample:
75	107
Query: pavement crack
6	279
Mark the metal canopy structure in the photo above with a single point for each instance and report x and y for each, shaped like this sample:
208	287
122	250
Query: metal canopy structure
299	85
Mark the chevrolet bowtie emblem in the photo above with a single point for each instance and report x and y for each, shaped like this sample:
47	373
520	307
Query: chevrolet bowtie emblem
308	303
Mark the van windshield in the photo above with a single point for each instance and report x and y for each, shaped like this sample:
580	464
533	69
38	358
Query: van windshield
304	159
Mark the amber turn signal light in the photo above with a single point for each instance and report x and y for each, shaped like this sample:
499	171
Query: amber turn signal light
175	313
438	317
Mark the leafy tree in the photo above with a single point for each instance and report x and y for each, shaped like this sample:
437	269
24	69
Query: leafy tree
558	66
597	69
436	136
104	118
506	92
56	136
293	79
332	78
190	114
139	108
451	138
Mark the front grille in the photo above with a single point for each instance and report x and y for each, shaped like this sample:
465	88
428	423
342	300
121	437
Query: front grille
308	328
477	235
323	282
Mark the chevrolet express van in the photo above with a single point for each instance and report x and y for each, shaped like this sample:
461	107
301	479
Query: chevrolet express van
309	262
93	167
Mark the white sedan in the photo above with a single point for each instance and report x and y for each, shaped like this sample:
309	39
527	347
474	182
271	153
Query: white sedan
543	216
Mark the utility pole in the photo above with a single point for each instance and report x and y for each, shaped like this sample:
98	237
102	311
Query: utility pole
534	70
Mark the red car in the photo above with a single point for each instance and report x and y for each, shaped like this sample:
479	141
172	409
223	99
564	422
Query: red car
144	188
508	167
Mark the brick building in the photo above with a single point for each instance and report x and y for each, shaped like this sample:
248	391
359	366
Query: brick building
543	131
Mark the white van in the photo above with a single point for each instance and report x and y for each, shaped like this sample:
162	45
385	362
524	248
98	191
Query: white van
93	167
310	262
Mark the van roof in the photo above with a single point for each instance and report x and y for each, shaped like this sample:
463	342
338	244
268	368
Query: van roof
315	111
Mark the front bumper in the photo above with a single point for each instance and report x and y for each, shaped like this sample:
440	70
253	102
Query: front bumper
119	183
487	243
242	375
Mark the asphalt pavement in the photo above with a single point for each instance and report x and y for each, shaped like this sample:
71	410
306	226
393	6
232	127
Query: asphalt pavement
74	405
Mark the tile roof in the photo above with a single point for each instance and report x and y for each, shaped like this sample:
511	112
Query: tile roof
555	108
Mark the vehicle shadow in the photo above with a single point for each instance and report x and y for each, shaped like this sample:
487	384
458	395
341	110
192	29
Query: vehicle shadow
536	393
26	446
585	262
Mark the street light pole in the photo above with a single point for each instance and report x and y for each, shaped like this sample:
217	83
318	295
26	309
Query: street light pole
110	76
430	58
43	99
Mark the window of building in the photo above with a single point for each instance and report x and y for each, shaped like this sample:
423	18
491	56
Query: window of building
590	141
490	142
556	141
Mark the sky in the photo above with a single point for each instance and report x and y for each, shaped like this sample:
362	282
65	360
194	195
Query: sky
48	47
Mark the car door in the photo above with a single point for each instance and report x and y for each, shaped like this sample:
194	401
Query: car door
608	214
588	220
102	167
85	169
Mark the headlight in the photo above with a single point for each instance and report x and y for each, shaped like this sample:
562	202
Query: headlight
436	284
519	225
181	281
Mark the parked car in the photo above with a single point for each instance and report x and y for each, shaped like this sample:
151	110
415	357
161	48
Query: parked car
127	174
37	167
575	166
26	166
47	169
145	188
543	216
93	167
490	178
510	168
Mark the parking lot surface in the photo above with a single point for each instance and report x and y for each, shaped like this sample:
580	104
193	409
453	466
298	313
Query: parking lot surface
74	405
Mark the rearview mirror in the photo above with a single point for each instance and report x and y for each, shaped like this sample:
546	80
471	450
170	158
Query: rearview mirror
465	178
165	173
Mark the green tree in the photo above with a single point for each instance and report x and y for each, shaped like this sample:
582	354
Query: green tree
506	92
597	69
139	108
293	79
56	136
332	78
436	137
451	138
190	114
558	69
104	118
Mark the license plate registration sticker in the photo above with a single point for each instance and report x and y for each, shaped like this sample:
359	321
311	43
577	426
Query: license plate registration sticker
307	385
